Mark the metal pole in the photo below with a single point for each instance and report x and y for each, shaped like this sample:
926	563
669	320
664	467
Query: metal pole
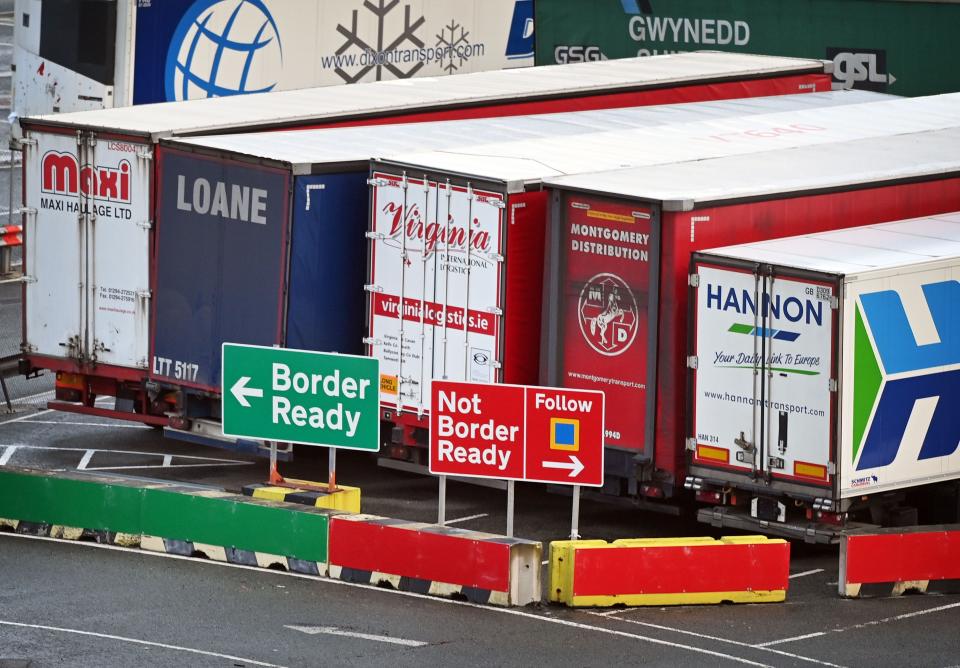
442	512
510	502
332	480
575	519
274	476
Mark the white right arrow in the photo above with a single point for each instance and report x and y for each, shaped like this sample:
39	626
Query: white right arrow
575	466
241	391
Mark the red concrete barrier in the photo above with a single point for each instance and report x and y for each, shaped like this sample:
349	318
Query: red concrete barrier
669	571
430	559
893	561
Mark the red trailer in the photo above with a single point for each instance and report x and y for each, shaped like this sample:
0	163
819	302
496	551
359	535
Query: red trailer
495	190
619	248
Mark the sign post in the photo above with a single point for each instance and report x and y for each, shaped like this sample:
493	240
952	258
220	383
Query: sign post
298	396
516	432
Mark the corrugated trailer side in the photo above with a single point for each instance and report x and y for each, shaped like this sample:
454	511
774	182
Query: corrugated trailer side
736	199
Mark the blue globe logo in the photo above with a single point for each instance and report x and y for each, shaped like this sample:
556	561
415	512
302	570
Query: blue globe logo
224	47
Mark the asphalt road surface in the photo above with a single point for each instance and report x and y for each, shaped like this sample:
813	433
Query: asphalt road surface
87	605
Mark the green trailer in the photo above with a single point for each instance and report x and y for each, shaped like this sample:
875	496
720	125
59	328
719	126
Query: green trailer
903	47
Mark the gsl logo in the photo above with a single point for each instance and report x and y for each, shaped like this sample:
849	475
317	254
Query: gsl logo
224	47
864	69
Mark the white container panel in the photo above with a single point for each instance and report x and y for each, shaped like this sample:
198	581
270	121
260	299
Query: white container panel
901	371
119	254
55	277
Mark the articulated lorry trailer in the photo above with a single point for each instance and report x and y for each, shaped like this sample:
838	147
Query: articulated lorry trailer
440	307
890	46
306	288
76	56
617	284
91	188
824	379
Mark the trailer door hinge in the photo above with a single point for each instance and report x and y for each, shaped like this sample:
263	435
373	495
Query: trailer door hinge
832	468
145	225
28	279
371	341
28	141
378	182
691	444
495	310
144	294
693	280
145	154
372	288
376	235
833	385
834	302
27	210
692	362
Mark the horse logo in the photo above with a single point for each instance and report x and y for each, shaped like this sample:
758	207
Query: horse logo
608	314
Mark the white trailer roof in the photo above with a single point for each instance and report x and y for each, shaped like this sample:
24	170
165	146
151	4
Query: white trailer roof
685	186
858	249
543	159
304	149
382	97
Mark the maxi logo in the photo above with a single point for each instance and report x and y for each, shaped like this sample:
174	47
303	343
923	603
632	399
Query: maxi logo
896	376
61	174
224	47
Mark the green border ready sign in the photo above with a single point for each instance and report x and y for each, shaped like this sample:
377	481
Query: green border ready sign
299	396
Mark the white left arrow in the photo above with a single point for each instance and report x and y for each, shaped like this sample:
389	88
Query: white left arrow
241	391
575	466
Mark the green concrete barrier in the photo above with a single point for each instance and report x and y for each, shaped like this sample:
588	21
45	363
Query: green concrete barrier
166	517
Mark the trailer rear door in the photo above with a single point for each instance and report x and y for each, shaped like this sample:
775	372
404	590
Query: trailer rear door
764	383
55	279
119	252
437	250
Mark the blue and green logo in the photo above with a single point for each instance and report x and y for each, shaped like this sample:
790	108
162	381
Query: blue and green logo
892	372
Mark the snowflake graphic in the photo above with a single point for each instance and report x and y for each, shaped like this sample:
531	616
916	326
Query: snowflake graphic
453	46
376	54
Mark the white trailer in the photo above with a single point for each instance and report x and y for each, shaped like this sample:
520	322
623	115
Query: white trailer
827	369
97	54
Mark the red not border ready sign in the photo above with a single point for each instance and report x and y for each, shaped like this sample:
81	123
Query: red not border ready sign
538	434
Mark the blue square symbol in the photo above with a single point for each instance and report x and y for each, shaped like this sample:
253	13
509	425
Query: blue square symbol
564	434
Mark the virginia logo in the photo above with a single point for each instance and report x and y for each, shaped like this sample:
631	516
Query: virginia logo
894	375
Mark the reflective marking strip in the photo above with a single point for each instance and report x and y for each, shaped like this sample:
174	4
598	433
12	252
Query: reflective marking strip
808	470
712	453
